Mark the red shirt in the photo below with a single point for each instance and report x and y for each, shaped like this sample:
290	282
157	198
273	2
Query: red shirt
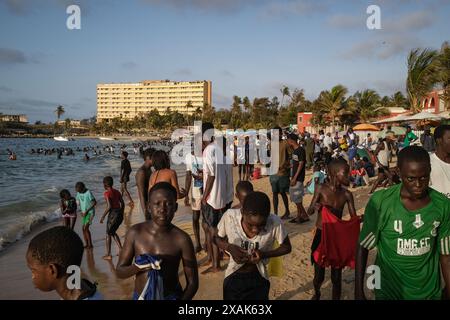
337	248
114	197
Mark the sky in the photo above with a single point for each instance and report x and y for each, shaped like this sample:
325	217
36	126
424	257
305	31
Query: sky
246	48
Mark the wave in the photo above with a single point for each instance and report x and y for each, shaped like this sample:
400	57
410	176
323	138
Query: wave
22	226
52	189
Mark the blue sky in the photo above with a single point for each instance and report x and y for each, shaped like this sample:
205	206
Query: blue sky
246	48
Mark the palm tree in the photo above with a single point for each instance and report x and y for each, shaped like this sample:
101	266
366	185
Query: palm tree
332	102
189	106
399	100
422	75
236	113
368	105
284	92
444	72
198	113
59	111
208	112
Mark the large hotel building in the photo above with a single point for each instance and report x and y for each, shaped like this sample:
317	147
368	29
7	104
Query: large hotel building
127	100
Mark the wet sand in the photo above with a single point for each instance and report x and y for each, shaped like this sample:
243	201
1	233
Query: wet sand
295	284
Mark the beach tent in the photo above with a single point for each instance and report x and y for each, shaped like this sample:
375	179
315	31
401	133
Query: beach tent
399	118
424	115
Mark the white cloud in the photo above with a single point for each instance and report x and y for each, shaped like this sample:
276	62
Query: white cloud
383	46
411	22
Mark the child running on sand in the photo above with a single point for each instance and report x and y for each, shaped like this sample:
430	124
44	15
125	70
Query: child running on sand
249	235
409	224
154	249
333	196
49	256
114	211
87	204
68	207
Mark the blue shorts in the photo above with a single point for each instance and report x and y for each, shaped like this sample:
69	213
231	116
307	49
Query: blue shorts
352	152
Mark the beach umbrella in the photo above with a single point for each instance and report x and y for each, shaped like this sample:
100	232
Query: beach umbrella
365	127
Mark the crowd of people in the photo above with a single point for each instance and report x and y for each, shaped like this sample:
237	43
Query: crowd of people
408	220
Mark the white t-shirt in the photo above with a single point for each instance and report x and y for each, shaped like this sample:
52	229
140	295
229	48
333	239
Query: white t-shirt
383	155
230	226
195	165
440	175
213	165
328	141
351	136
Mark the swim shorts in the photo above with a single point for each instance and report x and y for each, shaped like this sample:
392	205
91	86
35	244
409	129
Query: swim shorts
115	218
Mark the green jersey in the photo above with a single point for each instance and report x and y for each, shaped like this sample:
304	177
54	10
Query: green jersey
408	138
408	243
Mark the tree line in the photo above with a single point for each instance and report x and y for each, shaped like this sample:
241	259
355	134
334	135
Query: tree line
427	69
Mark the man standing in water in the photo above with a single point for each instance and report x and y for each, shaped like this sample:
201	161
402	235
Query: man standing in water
143	178
125	171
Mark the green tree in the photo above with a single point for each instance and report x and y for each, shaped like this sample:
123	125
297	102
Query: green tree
67	125
208	113
189	107
198	113
422	75
154	119
444	72
332	102
319	115
298	103
398	100
367	105
116	124
284	93
59	111
236	113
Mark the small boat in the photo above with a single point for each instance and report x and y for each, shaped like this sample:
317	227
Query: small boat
61	138
107	138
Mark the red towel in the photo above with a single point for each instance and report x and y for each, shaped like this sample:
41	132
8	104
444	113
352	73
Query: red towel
337	248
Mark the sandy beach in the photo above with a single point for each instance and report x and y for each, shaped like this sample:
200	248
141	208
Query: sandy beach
295	284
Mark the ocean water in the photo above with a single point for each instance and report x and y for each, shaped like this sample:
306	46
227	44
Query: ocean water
29	186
